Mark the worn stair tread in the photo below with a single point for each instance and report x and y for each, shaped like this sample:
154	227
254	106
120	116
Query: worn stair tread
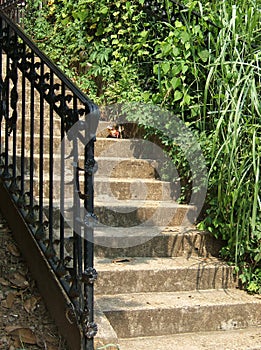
156	264
133	203
172	300
134	147
147	231
239	339
163	313
130	180
132	275
113	242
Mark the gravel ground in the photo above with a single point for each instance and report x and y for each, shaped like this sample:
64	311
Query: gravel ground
25	322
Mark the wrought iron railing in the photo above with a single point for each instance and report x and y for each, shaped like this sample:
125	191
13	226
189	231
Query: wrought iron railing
45	121
13	8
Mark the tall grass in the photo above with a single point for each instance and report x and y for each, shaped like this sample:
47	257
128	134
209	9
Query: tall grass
232	118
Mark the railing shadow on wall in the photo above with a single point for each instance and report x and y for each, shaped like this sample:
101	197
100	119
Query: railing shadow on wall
45	121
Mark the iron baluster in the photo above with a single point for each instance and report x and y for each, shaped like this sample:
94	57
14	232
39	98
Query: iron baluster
62	268
5	103
41	148
23	119
90	273
50	249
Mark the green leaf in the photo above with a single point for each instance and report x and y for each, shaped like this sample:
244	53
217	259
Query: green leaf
184	37
175	82
204	55
165	67
178	95
104	10
178	24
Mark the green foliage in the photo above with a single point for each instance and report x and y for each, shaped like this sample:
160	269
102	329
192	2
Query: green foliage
232	116
210	78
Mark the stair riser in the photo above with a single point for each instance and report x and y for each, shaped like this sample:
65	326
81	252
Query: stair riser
107	168
151	216
158	321
135	190
176	280
104	147
46	125
114	190
126	168
128	148
162	245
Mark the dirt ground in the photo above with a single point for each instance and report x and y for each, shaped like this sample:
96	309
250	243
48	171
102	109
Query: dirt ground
25	323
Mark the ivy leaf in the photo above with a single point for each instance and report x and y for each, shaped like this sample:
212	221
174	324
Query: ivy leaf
184	37
104	10
165	67
175	82
204	55
178	95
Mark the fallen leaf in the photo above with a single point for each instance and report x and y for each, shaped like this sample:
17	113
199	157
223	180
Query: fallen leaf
4	282
13	249
19	281
25	335
30	304
9	301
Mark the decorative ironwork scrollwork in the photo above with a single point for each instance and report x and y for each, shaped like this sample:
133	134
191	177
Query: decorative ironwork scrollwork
90	329
90	275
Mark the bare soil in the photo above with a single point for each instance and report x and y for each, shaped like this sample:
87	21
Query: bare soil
25	323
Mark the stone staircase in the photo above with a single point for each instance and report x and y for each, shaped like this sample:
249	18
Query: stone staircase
161	284
170	291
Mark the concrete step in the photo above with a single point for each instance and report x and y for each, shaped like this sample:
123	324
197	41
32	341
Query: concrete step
134	214
128	148
129	213
104	147
113	242
56	125
148	243
127	168
150	314
140	275
114	189
130	129
110	167
133	188
239	339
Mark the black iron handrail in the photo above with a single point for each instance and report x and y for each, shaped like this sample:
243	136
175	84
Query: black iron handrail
41	113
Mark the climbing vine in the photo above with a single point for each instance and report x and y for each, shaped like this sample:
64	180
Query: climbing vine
204	68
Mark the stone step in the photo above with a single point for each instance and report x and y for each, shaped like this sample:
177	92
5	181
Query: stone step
239	339
144	213
104	147
114	188
46	123
127	168
130	129
110	167
154	242
140	275
131	188
128	148
150	314
147	243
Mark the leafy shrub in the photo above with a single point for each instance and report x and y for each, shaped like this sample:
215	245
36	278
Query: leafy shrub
207	74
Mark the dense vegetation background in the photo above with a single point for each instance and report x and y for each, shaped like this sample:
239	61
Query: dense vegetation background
203	68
